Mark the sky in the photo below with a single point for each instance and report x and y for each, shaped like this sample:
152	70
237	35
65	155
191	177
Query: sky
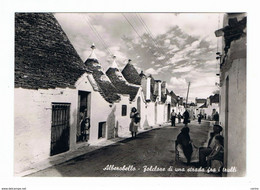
174	47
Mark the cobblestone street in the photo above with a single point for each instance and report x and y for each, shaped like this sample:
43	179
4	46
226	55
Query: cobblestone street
154	148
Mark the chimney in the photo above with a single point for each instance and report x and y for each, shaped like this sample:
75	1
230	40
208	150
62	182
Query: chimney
160	90
148	89
163	87
93	55
114	64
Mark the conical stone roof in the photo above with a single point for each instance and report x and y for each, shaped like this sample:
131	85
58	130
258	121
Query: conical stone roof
131	74
106	88
44	56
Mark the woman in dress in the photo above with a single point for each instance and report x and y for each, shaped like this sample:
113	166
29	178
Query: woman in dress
186	117
135	122
188	153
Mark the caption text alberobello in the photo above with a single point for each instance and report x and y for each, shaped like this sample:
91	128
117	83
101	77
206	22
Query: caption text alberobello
145	168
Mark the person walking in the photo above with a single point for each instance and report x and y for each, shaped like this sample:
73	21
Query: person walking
186	117
173	117
179	117
199	118
135	122
216	118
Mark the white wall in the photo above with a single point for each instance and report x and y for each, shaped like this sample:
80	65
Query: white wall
32	123
151	113
236	137
160	113
100	108
210	108
123	121
235	130
33	114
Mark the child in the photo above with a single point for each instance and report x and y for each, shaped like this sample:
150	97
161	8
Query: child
217	151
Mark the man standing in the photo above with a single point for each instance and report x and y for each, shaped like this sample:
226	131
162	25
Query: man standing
173	117
199	117
216	118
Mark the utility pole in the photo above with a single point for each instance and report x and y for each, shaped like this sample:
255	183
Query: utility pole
187	94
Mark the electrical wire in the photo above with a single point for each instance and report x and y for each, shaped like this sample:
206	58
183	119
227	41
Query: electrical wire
128	21
99	37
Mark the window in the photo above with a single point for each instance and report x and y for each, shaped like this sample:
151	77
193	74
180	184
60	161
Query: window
101	130
124	108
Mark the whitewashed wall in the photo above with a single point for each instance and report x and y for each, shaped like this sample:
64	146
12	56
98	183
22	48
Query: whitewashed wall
32	122
160	113
236	137
123	122
100	109
235	132
151	113
210	108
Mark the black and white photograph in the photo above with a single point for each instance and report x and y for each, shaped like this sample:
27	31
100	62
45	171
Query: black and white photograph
129	95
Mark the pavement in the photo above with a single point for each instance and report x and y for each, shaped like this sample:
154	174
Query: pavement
90	161
66	156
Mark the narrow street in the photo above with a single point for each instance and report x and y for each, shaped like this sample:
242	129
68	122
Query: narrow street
152	148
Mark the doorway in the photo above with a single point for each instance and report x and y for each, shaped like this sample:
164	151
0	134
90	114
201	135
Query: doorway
168	112
155	113
226	121
102	130
60	128
83	124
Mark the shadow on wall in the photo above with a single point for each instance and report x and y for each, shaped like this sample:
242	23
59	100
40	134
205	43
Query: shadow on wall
111	124
116	129
146	123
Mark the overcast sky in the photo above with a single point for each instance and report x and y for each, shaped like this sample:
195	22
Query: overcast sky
176	48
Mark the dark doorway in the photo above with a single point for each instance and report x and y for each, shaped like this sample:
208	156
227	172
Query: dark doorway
226	122
168	112
102	130
83	116
155	113
60	128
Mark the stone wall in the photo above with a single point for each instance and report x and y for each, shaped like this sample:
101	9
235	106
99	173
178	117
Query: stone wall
233	106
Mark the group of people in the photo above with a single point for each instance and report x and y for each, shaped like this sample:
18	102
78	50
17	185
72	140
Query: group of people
185	116
204	155
84	126
188	152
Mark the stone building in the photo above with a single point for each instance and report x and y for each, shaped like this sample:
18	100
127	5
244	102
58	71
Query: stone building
130	94
233	90
49	78
54	88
